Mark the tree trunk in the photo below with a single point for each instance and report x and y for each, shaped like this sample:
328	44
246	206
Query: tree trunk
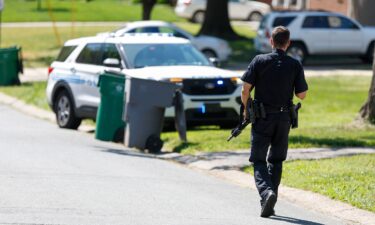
368	109
147	8
216	21
362	10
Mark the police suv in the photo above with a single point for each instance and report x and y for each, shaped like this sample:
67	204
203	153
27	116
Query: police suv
211	95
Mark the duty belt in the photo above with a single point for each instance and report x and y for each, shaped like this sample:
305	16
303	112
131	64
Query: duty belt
272	109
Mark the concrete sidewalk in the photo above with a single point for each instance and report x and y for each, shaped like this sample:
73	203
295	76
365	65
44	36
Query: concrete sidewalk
235	160
34	74
251	24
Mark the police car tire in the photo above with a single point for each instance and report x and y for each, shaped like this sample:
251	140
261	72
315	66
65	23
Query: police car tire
369	57
72	121
301	47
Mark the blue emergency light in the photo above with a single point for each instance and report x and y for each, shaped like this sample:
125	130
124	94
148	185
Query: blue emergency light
220	82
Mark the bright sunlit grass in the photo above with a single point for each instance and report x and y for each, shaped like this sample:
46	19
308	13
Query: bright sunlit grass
348	179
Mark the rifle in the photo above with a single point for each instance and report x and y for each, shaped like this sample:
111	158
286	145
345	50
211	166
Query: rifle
244	121
294	115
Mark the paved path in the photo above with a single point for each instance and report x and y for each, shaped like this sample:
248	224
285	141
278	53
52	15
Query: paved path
61	24
34	74
252	25
234	160
55	176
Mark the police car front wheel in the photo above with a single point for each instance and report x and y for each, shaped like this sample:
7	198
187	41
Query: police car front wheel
64	112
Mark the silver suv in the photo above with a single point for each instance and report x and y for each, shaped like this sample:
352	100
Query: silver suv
318	33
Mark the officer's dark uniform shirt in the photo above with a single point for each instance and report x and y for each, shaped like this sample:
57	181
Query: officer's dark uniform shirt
275	77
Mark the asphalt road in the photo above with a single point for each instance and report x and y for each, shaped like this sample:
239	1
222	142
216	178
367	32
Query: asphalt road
54	176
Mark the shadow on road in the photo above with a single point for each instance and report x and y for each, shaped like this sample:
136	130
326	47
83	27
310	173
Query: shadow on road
131	153
294	220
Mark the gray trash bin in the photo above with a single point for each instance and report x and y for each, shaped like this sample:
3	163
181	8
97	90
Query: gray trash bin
145	105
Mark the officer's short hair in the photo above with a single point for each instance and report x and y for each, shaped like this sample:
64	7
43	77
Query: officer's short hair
280	36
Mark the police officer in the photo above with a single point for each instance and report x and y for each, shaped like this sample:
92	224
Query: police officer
275	76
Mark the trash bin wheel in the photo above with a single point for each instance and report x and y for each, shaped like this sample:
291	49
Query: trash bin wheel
154	144
64	111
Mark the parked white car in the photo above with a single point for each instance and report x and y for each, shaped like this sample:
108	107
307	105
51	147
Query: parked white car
238	10
212	47
211	95
318	33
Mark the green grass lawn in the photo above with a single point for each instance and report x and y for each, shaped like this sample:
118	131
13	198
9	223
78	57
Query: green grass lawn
31	93
348	179
80	10
326	120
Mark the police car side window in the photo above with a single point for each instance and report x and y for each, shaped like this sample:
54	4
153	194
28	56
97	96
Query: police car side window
149	30
65	52
91	54
315	22
110	52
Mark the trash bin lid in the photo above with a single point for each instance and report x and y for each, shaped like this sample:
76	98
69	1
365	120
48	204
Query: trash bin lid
150	92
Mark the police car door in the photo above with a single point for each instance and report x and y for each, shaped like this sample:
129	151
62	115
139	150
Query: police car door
88	67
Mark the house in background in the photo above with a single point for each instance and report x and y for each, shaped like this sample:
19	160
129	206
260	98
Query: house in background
340	6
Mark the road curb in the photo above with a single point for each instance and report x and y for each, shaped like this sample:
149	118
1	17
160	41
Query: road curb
26	108
35	111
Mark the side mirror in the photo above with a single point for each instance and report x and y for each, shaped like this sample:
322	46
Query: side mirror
112	62
214	61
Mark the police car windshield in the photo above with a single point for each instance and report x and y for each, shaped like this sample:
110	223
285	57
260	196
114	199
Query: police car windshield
144	55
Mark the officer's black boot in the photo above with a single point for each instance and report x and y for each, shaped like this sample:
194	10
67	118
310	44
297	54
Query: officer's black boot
268	204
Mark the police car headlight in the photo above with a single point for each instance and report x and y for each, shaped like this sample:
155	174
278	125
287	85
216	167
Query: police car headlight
176	80
236	80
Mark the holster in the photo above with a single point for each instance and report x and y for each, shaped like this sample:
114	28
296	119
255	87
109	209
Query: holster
250	112
259	110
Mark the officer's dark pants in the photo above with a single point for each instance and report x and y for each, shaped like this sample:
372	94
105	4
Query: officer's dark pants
270	132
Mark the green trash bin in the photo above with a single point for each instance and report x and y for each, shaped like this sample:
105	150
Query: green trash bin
10	65
109	123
